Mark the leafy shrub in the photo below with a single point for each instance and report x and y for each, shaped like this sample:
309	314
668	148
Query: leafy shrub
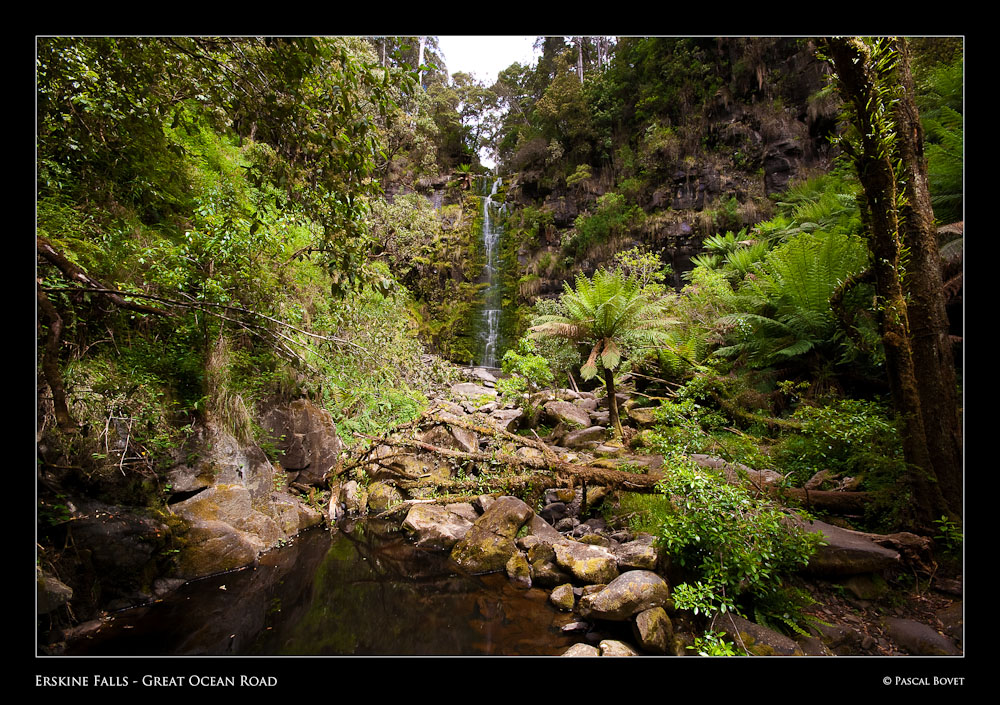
732	544
847	436
611	217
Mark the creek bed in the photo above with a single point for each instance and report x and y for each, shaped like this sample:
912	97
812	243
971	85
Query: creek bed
359	590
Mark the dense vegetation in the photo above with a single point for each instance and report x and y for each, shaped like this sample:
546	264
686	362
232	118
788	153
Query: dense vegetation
224	222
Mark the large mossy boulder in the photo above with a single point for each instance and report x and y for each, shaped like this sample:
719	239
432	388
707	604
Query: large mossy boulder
306	440
625	596
588	563
435	526
490	542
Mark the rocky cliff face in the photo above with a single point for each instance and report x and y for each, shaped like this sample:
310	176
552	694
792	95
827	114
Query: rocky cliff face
716	174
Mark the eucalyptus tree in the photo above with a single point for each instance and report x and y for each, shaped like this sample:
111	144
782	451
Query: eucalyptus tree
616	316
885	141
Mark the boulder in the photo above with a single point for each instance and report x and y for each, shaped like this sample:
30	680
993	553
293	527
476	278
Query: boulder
757	639
563	598
612	647
567	413
435	526
591	564
847	552
489	543
452	437
519	571
654	631
643	416
472	392
919	639
226	531
212	546
626	596
306	439
354	497
506	419
585	437
542	529
464	509
582	650
382	496
53	593
640	555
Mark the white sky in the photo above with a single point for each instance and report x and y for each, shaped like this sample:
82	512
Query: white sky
485	56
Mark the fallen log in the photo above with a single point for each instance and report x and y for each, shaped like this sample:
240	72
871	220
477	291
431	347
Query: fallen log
840	503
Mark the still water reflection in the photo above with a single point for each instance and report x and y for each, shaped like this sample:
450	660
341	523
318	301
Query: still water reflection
360	590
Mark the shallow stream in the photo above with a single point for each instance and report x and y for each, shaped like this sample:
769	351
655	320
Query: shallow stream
359	590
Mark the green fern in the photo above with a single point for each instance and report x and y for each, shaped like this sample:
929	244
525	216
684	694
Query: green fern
786	305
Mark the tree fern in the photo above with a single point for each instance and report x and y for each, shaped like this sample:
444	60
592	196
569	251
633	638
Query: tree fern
787	302
615	315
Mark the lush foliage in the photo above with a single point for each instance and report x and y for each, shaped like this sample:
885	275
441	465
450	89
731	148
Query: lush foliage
732	544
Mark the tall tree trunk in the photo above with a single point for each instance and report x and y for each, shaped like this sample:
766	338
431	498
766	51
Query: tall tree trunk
859	75
579	58
609	386
933	357
420	61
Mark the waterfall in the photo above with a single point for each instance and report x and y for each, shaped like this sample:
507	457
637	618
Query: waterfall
489	328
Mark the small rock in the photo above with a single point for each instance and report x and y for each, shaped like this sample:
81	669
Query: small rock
654	631
612	647
519	571
563	597
582	650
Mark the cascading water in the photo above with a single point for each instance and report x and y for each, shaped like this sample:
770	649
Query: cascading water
489	324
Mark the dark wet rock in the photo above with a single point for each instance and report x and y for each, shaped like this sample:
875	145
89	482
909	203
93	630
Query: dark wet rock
553	512
757	639
953	621
919	639
52	593
306	439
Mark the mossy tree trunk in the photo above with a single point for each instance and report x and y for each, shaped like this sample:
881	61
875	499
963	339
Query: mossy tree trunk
933	356
609	385
870	85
